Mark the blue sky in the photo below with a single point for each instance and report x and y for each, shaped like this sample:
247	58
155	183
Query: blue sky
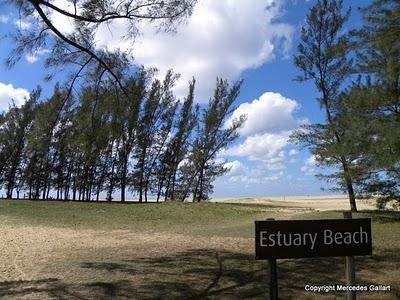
252	40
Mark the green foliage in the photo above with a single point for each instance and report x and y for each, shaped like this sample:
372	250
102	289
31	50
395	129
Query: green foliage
371	110
99	140
362	131
211	137
322	58
15	127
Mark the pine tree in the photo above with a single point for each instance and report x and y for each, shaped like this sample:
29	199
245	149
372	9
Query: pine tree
15	126
322	58
372	106
177	149
211	137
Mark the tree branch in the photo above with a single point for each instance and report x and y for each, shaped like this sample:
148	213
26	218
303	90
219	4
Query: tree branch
74	44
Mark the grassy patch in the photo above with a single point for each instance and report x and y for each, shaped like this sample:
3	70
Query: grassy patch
177	217
198	265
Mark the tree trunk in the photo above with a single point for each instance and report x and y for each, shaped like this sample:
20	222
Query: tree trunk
74	190
145	190
201	186
172	194
9	191
123	178
195	191
350	192
160	185
349	186
167	189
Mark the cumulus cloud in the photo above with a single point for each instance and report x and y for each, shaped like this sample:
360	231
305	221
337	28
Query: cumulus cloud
235	167
270	121
255	176
60	21
22	24
222	38
266	148
309	167
33	57
9	93
271	113
244	174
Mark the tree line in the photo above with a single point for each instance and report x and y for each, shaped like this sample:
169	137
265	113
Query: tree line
100	141
357	72
107	130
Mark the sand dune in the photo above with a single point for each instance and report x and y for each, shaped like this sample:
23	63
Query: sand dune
330	202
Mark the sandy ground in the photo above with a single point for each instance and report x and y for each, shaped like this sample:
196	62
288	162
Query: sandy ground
26	250
46	263
320	203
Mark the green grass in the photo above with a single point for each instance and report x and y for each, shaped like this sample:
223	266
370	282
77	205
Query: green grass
170	216
205	219
191	273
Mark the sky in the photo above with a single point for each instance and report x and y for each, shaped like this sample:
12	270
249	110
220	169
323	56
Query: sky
253	40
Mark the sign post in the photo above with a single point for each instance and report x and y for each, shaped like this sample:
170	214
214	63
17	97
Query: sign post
273	280
312	238
350	267
273	276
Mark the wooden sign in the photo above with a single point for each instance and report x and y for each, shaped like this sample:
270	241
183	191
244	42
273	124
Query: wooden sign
313	238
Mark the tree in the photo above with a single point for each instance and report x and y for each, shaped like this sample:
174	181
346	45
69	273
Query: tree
15	125
322	58
177	148
211	137
98	140
128	118
372	106
41	142
156	111
87	16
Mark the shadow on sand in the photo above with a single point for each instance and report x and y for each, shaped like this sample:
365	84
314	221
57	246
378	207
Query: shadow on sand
203	274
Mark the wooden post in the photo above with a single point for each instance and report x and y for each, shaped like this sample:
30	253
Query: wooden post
273	280
273	276
350	267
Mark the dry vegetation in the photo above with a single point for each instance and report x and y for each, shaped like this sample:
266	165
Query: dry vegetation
53	250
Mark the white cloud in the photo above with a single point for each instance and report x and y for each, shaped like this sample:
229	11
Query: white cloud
272	113
22	24
309	167
266	147
222	38
254	176
248	175
60	21
33	57
3	19
270	121
236	167
9	93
